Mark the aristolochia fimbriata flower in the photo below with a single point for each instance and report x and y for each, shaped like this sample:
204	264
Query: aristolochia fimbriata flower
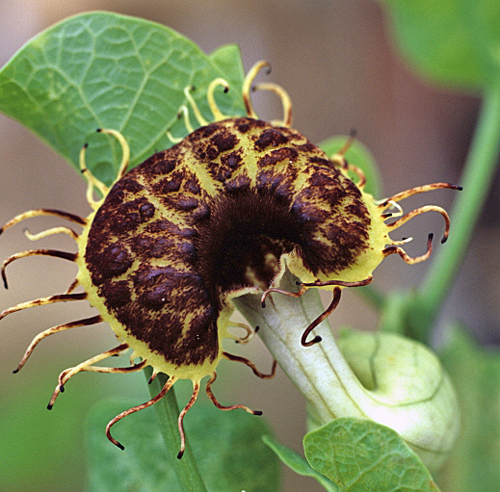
223	213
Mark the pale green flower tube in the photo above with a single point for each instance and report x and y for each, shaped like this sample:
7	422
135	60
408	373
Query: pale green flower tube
389	379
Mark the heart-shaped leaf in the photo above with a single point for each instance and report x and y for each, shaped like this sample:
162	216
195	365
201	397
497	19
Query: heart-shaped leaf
104	70
361	455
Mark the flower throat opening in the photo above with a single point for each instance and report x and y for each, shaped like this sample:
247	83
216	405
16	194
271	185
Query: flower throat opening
240	244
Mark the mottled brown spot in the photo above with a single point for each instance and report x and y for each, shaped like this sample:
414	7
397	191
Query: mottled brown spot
147	210
272	158
357	209
152	246
202	212
117	294
270	138
112	261
159	226
160	163
165	297
187	204
188	251
167	185
269	180
211	141
307	213
128	215
306	148
224	141
243	127
323	161
128	185
278	184
124	190
192	185
218	172
232	160
240	183
164	227
205	131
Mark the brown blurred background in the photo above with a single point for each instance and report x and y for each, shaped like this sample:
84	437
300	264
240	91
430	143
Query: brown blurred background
335	60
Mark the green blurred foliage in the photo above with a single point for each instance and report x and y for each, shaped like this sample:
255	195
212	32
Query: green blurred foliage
452	43
475	462
229	449
45	450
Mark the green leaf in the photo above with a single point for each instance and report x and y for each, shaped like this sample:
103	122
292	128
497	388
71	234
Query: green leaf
361	456
104	70
474	464
227	59
34	439
230	453
454	43
30	432
359	156
298	464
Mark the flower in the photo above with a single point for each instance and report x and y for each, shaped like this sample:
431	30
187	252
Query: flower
225	212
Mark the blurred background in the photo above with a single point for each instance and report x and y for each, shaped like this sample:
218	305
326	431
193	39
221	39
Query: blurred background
334	58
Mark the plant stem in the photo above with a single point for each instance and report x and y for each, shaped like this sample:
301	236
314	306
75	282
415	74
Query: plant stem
167	411
476	180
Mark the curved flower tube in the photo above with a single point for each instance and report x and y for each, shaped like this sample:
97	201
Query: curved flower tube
226	212
383	377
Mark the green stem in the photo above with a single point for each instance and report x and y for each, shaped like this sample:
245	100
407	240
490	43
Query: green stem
167	411
476	180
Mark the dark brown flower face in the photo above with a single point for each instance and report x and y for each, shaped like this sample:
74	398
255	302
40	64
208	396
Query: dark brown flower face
223	213
220	212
